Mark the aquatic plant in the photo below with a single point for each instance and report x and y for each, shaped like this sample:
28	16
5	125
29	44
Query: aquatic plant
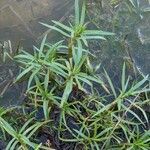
78	106
21	138
69	70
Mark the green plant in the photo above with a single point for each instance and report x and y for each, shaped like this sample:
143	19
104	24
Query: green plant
101	125
21	138
77	32
67	70
98	117
139	140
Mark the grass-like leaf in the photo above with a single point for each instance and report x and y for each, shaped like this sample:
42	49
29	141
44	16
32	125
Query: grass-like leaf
56	29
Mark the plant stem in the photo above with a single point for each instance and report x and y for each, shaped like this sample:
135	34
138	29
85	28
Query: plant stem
70	47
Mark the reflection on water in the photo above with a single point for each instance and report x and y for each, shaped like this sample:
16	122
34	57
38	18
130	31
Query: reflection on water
19	23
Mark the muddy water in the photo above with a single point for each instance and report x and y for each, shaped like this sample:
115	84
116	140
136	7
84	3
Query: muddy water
19	23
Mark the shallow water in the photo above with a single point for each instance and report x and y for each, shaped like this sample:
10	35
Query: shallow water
19	19
132	34
19	23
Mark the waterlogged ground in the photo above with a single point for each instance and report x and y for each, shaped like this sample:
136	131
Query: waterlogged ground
130	22
19	27
19	24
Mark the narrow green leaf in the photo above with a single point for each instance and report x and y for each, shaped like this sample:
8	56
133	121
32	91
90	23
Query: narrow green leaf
94	37
13	147
123	78
42	46
46	109
91	78
139	84
62	26
127	83
105	108
134	114
22	56
104	132
28	142
97	32
77	13
96	146
79	84
56	29
132	3
10	144
85	81
24	73
7	127
80	134
83	13
25	125
84	41
78	53
111	84
46	81
32	77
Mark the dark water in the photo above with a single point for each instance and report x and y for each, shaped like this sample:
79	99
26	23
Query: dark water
19	19
132	29
19	24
